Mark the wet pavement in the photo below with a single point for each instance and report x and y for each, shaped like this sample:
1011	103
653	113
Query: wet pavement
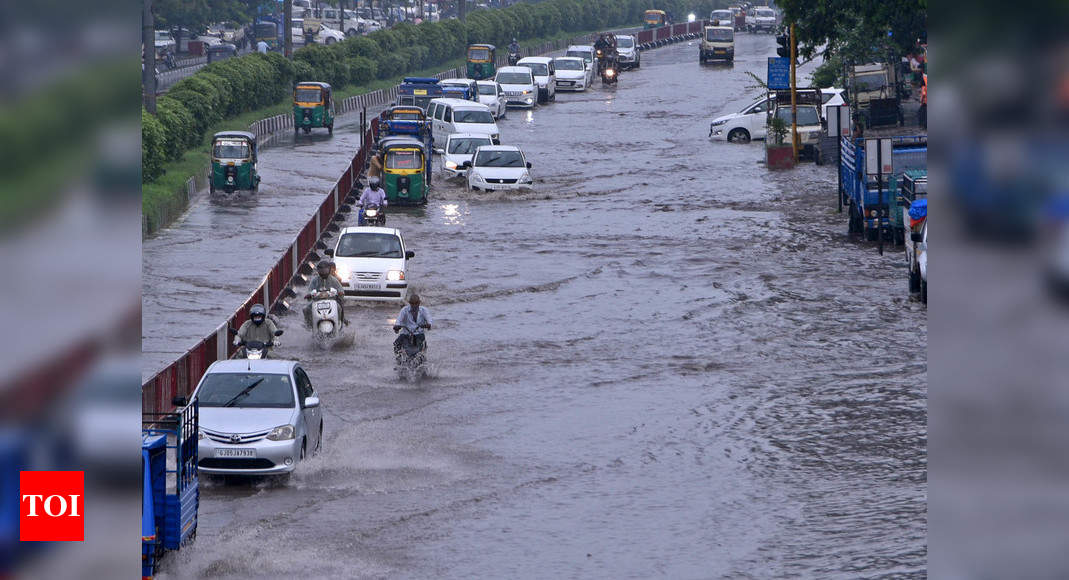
664	362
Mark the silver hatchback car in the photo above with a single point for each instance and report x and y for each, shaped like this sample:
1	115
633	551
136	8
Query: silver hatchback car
257	417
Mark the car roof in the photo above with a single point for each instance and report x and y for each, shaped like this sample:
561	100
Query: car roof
457	80
578	58
243	134
486	82
500	148
368	230
586	47
263	365
460	103
541	59
467	136
522	69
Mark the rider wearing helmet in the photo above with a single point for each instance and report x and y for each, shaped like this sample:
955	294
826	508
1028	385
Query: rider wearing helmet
373	195
414	319
323	281
514	46
257	328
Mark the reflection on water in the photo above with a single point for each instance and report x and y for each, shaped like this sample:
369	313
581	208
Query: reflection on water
452	214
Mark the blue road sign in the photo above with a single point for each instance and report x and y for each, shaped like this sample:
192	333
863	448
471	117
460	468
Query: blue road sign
779	72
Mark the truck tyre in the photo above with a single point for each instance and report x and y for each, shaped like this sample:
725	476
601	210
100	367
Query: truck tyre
330	129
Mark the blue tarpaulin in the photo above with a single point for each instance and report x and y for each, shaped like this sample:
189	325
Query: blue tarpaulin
918	210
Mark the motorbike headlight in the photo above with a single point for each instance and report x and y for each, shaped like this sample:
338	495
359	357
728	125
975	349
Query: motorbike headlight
450	165
395	275
371	212
282	433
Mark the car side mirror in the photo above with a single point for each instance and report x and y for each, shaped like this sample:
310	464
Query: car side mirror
916	237
179	401
409	255
439	151
528	165
279	332
310	402
329	252
466	164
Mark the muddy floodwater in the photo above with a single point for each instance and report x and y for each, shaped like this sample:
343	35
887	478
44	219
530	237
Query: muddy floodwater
663	362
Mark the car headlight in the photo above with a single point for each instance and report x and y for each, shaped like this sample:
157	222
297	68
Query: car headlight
343	272
450	165
282	433
477	177
718	123
395	275
526	91
526	178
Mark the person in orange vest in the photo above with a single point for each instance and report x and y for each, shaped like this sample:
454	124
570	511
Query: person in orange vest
922	113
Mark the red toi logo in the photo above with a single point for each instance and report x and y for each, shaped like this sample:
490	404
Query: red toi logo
52	507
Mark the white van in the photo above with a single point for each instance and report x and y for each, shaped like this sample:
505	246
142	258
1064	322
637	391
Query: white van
448	116
545	75
585	52
519	85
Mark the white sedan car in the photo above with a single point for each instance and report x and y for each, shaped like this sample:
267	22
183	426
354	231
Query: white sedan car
498	167
750	123
572	73
257	417
460	147
492	95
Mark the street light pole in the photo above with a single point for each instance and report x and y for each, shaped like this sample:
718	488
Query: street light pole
287	28
794	94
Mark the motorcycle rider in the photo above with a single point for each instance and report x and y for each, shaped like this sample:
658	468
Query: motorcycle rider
324	280
415	319
257	328
514	49
606	44
373	194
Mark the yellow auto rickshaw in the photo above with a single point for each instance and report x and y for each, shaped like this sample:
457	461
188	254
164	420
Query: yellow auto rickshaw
655	18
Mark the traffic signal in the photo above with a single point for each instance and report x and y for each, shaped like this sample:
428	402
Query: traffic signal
784	48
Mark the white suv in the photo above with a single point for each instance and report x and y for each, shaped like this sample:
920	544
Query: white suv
372	263
519	85
627	49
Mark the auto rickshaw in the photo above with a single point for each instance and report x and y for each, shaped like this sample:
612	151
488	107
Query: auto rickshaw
234	162
404	170
267	31
313	106
403	120
481	61
655	18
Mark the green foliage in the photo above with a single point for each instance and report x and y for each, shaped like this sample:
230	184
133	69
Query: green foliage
858	31
777	128
153	145
177	124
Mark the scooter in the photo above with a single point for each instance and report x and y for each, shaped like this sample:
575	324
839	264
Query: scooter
374	216
326	319
412	356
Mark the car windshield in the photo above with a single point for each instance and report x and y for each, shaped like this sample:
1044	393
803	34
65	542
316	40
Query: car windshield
487	90
583	54
721	15
872	82
566	64
472	117
766	14
231	149
405	116
482	54
404	160
466	146
369	246
499	159
539	69
624	42
244	390
719	34
806	115
308	95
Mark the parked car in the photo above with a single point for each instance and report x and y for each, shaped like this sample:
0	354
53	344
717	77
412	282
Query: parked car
448	116
750	123
372	263
572	73
497	167
493	96
544	75
810	125
257	417
460	147
627	49
519	85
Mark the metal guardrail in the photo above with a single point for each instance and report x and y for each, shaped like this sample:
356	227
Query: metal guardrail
181	376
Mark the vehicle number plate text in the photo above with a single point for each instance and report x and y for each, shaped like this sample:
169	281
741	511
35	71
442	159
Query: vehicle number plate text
367	286
238	452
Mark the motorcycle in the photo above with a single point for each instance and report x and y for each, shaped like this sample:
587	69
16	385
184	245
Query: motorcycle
609	74
254	349
514	57
326	319
412	356
374	216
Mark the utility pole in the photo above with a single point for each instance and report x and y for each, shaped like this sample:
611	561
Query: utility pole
287	28
148	66
794	94
462	9
341	15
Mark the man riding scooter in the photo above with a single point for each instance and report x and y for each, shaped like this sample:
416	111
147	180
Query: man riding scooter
373	196
257	329
324	281
414	320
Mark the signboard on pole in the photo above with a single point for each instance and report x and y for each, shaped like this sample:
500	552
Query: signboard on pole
878	156
779	73
838	121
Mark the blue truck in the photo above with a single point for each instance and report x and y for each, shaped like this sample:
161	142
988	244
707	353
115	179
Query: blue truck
873	209
171	493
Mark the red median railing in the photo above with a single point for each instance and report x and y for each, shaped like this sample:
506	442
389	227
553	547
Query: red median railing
180	377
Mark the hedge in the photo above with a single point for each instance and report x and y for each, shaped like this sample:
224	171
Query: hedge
237	85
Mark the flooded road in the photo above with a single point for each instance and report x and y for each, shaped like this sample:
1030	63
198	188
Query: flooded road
664	362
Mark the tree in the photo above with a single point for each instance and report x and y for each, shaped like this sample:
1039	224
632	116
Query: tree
858	30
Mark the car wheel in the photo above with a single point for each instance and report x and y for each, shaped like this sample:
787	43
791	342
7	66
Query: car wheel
739	136
924	291
211	187
319	440
330	129
914	281
330	41
304	445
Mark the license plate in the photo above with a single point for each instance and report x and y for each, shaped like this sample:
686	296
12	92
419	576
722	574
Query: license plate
235	452
568	83
367	286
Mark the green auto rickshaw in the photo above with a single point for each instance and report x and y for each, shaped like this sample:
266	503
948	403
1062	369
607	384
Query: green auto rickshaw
234	162
313	107
481	61
404	170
